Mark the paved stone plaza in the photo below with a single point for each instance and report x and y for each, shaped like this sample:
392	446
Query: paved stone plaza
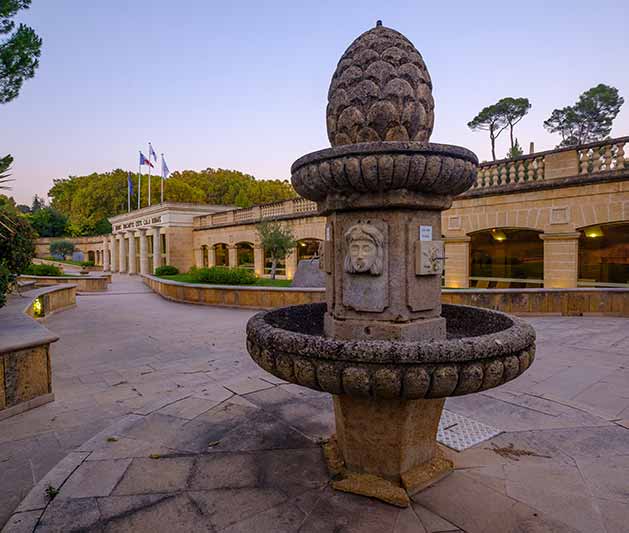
162	422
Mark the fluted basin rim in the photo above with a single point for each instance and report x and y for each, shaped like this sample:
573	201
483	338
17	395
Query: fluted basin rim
385	147
515	337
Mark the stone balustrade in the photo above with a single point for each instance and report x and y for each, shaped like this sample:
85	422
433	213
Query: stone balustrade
593	159
252	215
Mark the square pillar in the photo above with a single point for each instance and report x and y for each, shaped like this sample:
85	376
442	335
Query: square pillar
144	257
131	237
198	257
233	256
291	264
457	262
122	253
157	249
561	259
113	250
211	256
258	260
106	254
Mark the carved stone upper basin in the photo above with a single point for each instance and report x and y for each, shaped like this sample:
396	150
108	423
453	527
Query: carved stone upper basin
377	167
483	349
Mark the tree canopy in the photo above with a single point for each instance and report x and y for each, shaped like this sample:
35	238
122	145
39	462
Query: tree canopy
87	201
19	51
505	113
48	222
590	119
277	241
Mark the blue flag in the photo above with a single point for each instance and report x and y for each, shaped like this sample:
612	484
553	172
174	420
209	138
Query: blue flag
130	183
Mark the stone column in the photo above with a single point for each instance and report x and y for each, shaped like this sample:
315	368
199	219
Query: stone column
157	249
131	237
457	262
291	264
232	254
211	256
258	260
106	254
113	250
144	258
122	253
561	259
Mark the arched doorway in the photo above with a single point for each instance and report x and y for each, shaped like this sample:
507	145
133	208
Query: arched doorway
221	255
506	258
244	255
604	255
307	249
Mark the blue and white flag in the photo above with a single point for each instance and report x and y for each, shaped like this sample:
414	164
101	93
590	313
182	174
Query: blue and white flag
152	154
165	171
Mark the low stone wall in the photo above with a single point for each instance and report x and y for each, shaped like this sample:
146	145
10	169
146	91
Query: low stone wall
83	283
60	264
233	295
567	302
25	370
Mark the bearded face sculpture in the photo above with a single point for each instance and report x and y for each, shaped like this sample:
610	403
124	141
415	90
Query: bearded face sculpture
364	250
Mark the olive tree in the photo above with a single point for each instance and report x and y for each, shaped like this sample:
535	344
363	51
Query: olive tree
277	241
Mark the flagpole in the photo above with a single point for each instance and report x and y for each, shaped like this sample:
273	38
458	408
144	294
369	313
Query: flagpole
128	193
139	180
161	184
149	174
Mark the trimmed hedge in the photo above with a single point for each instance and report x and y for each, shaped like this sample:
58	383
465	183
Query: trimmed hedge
87	263
166	270
43	270
223	276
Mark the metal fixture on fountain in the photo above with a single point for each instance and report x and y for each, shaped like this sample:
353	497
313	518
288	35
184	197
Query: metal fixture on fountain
383	344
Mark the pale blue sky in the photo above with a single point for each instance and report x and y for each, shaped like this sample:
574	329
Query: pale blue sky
243	84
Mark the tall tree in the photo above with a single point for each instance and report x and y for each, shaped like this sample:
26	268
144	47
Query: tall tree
514	110
277	241
37	204
590	119
492	119
48	222
19	52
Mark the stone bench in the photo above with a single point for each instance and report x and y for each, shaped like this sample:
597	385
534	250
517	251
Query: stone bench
25	369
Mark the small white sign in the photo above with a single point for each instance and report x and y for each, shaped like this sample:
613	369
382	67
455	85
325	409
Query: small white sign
328	233
425	233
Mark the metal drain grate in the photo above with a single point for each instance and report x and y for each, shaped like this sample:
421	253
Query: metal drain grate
459	432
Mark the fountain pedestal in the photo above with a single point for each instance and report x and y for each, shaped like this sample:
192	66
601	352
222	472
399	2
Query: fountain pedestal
383	344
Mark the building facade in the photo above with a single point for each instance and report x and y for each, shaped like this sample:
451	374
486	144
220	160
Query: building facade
554	219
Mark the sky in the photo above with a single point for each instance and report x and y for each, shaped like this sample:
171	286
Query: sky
243	85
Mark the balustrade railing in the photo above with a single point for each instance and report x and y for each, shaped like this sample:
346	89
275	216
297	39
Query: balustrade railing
299	206
589	159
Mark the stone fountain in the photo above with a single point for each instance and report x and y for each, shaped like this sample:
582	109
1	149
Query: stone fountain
382	344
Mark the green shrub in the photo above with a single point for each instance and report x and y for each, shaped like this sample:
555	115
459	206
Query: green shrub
87	263
224	276
6	281
166	270
42	270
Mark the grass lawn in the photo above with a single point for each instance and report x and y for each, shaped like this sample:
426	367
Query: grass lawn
261	282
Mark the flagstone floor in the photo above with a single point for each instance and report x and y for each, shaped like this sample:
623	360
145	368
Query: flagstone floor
163	423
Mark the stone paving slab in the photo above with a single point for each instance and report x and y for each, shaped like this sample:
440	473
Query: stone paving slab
209	442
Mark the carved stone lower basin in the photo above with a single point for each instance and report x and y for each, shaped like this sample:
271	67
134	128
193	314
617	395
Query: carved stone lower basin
483	349
389	395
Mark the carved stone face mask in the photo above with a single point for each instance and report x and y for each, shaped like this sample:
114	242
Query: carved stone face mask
363	254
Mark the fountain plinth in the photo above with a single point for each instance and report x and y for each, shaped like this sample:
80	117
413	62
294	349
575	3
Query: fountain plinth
383	344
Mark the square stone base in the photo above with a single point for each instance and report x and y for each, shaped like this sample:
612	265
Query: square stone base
425	329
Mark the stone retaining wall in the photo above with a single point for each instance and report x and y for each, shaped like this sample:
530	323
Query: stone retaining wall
60	264
25	370
568	302
83	283
233	296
